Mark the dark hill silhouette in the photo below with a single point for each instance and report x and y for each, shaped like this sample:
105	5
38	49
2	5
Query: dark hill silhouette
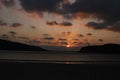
9	45
107	48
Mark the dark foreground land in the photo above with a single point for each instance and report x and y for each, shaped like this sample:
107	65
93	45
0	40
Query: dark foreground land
15	46
49	71
106	48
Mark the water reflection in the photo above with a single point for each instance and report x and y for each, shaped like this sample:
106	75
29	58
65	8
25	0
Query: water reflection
58	57
67	62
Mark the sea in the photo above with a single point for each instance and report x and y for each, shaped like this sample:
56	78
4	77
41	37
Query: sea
59	57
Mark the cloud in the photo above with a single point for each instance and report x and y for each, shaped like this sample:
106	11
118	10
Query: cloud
80	35
61	39
100	8
48	42
64	43
106	10
101	40
33	27
45	34
52	23
95	25
51	6
48	38
77	43
89	34
2	23
75	39
66	24
40	5
69	33
108	26
15	25
51	43
74	43
66	33
13	33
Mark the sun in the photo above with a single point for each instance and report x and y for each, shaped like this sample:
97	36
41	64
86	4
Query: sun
68	46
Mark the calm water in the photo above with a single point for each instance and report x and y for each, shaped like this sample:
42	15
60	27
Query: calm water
58	57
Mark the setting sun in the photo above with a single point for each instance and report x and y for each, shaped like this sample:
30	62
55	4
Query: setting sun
68	46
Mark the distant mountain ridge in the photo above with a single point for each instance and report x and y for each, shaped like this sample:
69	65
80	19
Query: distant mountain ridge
9	45
107	48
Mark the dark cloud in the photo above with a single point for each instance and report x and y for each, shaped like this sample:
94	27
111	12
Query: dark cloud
69	33
33	27
61	39
48	38
75	39
16	25
89	34
95	25
64	43
99	26
52	23
66	24
8	3
101	40
48	42
40	5
45	34
2	23
80	35
75	43
13	33
52	6
106	10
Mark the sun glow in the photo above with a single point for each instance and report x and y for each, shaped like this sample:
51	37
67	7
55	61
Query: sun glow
68	46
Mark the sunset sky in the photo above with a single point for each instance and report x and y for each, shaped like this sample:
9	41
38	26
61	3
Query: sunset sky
60	24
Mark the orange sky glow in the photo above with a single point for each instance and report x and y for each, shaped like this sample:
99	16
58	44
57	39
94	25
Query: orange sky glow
48	29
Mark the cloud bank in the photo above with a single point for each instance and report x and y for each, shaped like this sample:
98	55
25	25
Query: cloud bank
106	10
